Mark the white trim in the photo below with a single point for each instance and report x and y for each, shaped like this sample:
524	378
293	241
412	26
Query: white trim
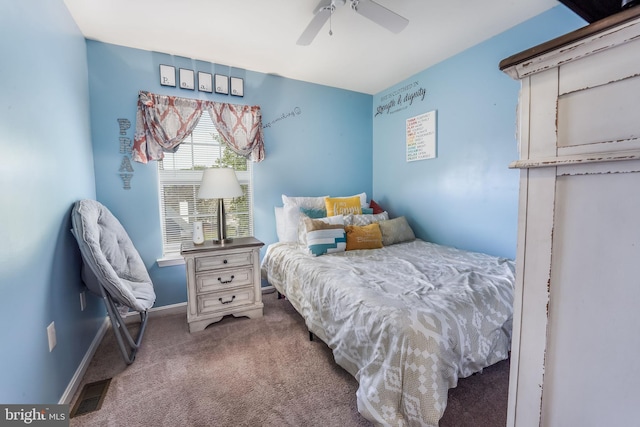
170	260
84	364
268	289
132	317
165	310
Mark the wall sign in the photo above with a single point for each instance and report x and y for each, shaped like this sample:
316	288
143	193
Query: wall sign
421	137
126	169
187	79
167	75
205	82
401	99
222	84
295	112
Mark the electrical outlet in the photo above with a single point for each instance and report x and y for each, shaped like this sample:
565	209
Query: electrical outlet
51	334
83	300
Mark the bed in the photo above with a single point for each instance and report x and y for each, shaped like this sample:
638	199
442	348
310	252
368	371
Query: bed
406	319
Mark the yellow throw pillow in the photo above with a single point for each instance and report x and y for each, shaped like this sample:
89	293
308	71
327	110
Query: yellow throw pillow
343	205
363	236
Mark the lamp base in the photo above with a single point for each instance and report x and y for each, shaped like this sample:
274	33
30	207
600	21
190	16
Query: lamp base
222	225
222	242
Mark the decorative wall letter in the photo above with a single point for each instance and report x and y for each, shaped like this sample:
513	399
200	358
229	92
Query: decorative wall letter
125	148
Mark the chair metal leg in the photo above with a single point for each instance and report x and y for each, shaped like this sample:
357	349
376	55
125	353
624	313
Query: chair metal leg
129	348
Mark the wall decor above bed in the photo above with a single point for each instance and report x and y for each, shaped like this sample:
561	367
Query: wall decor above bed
421	137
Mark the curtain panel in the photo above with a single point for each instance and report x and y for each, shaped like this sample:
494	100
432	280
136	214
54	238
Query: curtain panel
162	123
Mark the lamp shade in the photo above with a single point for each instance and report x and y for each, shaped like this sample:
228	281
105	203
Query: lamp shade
219	183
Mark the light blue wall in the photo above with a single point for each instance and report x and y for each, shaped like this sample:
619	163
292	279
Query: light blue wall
317	141
466	197
47	164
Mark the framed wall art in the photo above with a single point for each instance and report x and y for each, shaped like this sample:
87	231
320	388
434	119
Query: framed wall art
237	86
222	84
167	75
205	83
187	79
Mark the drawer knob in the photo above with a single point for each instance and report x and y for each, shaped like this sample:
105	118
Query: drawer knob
225	261
226	281
227	302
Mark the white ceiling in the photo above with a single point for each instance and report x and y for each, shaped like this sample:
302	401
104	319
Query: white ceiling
261	35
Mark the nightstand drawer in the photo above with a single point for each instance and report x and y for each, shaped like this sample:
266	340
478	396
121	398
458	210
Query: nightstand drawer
215	302
223	261
223	279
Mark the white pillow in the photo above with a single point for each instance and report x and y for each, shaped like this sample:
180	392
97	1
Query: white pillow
304	202
280	224
291	215
363	200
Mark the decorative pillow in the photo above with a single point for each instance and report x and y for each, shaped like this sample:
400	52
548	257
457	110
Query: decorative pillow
304	202
365	219
324	238
376	207
292	207
314	213
366	211
302	225
363	199
363	237
396	230
343	205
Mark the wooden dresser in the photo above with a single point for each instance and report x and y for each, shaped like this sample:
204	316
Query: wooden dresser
576	336
222	280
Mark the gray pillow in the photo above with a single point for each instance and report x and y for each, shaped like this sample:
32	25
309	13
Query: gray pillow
396	230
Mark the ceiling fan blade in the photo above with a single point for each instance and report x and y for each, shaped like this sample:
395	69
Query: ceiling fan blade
380	15
323	12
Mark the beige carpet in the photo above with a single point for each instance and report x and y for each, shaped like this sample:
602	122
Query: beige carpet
253	372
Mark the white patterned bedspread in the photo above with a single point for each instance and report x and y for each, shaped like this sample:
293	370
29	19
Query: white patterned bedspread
406	320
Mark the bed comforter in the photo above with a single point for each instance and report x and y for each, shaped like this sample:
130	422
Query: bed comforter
406	320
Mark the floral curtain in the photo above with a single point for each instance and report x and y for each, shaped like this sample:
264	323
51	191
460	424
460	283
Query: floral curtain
162	123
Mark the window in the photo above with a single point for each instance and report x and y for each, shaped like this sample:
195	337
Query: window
179	175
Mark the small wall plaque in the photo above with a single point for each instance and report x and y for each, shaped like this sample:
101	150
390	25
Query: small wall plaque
237	86
186	79
205	83
167	75
222	84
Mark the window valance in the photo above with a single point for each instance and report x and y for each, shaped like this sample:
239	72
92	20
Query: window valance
162	123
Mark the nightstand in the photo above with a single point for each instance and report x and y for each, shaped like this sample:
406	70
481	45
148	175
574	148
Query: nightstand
222	280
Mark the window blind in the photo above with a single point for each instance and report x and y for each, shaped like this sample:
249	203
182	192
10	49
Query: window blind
179	175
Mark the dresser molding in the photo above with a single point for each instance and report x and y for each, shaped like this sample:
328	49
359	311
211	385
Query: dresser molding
576	159
604	34
575	327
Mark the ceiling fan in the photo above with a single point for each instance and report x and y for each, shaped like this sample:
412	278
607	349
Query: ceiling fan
367	8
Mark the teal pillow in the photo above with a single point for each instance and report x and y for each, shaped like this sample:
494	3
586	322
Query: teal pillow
314	213
366	211
324	238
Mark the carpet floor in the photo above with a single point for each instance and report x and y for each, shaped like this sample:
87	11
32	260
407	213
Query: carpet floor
253	372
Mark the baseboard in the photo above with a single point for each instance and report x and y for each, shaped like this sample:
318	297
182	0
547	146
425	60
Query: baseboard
84	363
130	318
165	310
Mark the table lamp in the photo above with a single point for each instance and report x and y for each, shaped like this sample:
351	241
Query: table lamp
220	183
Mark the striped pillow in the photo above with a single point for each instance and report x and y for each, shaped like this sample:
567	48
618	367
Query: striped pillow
324	238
